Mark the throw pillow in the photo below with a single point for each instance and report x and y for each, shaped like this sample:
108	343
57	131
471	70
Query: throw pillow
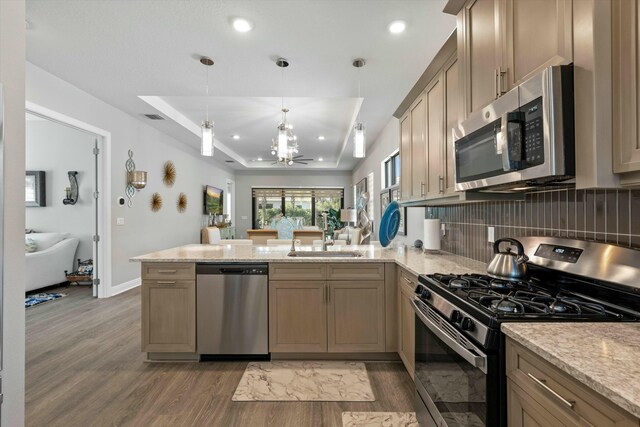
30	246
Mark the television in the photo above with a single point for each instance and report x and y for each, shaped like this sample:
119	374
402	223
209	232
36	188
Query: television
213	201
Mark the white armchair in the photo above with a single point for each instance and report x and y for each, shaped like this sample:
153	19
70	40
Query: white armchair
346	232
46	267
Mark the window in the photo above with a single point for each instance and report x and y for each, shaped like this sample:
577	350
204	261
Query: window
303	205
391	170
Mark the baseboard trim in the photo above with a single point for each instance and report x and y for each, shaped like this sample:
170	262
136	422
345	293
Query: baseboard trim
124	287
363	357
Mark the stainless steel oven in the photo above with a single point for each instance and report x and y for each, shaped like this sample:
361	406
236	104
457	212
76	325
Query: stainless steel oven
522	140
452	375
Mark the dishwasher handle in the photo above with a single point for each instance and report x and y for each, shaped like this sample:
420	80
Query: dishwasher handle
237	269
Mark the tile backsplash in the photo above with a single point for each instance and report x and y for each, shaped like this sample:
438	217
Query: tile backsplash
611	216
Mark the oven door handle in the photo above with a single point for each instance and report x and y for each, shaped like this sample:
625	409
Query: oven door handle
475	360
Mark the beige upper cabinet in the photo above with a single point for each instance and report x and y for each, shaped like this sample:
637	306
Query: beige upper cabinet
503	42
417	114
452	117
626	91
538	35
479	49
435	136
405	157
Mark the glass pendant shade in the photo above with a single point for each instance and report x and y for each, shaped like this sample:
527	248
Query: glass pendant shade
206	148
359	141
283	142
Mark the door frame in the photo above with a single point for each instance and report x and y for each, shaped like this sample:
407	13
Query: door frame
104	183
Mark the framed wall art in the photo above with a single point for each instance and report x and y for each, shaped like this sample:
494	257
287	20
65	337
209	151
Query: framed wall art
35	189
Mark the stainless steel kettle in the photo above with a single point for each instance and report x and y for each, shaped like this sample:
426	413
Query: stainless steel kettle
508	265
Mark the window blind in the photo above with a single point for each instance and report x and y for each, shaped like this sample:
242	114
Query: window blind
298	192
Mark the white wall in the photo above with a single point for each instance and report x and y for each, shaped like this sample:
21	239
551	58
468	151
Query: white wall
12	60
387	142
283	179
56	149
144	231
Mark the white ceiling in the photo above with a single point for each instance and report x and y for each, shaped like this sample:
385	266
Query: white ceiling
142	56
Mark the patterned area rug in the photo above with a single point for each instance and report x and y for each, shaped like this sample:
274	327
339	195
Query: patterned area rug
36	299
328	381
379	419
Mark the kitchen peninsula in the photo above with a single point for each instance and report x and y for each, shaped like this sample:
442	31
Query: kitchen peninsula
357	307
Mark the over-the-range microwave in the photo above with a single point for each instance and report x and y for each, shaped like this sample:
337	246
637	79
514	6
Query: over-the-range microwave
522	140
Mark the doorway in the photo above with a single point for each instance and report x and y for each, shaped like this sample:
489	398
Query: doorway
63	216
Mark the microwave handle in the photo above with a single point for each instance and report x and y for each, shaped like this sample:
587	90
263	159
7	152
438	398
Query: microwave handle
511	141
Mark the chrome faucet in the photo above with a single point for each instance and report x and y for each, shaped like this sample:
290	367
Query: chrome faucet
325	228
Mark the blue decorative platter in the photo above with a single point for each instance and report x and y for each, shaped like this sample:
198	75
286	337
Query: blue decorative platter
389	224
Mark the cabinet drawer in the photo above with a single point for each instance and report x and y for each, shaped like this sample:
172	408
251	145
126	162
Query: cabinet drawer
297	271
355	271
565	397
169	271
407	279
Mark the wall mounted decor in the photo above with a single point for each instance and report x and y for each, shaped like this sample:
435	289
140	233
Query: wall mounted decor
182	202
71	192
136	180
395	195
156	202
169	173
35	189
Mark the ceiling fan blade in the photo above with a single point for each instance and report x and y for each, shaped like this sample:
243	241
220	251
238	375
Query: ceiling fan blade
298	156
301	163
306	160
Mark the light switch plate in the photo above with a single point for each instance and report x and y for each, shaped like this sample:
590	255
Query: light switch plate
120	221
443	229
491	234
244	217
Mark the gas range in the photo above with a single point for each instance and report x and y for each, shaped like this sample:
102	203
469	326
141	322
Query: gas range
458	320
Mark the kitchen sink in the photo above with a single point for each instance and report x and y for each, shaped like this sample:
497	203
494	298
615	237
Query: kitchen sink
325	254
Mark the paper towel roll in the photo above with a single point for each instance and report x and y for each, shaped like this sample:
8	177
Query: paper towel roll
214	235
431	241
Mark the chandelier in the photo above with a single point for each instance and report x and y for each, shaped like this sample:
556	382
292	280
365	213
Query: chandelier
285	146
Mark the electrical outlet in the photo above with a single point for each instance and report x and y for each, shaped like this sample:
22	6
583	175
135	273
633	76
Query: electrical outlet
443	229
491	234
119	221
244	217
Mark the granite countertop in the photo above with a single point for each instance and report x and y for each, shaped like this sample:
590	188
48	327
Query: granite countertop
603	356
414	260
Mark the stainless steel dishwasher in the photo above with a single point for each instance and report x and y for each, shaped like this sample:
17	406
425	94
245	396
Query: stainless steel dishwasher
233	311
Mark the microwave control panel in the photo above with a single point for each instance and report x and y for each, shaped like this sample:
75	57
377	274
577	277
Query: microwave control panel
533	135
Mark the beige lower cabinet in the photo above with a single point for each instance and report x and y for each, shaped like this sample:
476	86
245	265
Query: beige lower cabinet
168	307
297	316
539	394
356	316
345	313
406	324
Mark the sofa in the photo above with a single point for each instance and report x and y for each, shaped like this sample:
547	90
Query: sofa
48	256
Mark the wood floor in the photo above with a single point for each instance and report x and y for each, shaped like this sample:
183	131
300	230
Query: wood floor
85	368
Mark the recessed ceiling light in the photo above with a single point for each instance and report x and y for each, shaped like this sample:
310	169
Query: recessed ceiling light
259	159
397	27
320	159
236	137
321	138
241	25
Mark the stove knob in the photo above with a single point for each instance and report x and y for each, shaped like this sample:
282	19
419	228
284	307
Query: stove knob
455	316
466	324
418	290
425	294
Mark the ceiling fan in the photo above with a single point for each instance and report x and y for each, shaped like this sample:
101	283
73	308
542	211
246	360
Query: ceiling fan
291	160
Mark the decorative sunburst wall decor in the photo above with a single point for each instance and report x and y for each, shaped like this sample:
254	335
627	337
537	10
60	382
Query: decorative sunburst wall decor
182	202
156	202
169	173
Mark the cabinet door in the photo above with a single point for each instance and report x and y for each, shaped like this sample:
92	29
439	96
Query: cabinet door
168	316
297	316
452	117
418	148
435	136
405	157
626	91
356	316
407	330
538	34
480	52
524	411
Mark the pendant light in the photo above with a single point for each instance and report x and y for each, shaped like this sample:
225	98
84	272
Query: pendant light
285	145
206	146
359	132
